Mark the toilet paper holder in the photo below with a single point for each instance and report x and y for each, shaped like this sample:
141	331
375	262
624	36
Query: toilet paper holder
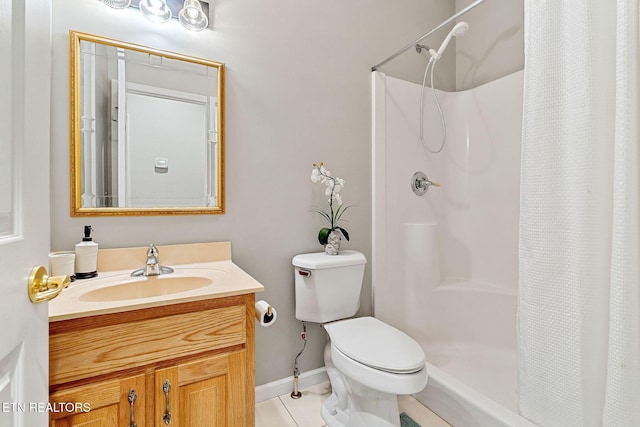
265	313
269	315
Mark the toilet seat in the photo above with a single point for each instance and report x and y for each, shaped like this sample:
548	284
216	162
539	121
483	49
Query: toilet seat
377	355
375	344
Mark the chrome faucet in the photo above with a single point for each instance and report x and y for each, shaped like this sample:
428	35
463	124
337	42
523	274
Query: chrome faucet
153	267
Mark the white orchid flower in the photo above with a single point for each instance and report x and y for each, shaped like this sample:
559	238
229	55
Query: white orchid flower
315	175
320	174
331	187
337	209
333	183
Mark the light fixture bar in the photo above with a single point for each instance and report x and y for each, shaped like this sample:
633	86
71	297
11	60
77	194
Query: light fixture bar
176	6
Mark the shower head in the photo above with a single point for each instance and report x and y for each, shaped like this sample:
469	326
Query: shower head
458	30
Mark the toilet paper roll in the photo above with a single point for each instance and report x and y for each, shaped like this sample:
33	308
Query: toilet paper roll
265	313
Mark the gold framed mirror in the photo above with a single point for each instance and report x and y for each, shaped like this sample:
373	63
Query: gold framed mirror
147	130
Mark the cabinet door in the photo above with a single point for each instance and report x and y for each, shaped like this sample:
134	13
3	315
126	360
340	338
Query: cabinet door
208	392
103	404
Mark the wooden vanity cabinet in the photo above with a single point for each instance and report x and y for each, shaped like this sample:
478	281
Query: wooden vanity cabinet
202	392
107	400
195	359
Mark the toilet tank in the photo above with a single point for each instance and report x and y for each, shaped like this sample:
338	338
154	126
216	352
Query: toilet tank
328	286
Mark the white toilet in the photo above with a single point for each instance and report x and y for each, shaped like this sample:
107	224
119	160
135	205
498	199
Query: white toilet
369	363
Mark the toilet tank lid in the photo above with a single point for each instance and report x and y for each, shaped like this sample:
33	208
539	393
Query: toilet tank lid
319	260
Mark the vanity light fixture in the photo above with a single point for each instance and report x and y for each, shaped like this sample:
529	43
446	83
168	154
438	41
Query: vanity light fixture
192	14
117	4
192	17
155	10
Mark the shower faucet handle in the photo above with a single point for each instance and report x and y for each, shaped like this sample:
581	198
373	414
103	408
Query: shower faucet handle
420	183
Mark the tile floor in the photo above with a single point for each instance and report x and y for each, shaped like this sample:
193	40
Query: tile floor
283	411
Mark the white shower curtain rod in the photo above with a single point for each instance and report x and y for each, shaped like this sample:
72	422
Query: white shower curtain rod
415	42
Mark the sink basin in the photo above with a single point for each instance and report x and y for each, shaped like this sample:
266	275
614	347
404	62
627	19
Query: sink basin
148	287
202	272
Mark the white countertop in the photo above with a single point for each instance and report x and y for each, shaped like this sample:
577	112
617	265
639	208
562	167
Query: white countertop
84	298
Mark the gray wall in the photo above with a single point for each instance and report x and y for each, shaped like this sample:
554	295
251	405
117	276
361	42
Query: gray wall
494	44
297	92
492	48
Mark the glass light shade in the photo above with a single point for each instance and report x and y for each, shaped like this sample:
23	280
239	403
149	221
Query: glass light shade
155	10
117	4
192	17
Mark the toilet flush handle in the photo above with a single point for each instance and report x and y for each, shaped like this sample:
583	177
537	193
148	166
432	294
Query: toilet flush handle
305	273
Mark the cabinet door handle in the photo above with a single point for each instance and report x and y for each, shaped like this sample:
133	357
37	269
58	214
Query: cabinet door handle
166	387
132	398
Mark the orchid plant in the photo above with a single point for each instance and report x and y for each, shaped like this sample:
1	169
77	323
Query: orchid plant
336	207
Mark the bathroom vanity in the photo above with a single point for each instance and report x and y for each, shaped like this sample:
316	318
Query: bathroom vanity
141	352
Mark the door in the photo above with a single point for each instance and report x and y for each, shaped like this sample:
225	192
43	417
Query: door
164	116
25	47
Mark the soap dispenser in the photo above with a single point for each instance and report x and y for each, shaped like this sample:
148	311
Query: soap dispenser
86	256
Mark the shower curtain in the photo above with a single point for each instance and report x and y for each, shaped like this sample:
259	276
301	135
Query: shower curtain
579	299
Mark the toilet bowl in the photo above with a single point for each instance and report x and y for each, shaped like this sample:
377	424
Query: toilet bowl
369	362
373	363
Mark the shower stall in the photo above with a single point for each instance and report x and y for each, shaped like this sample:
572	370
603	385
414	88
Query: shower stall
518	274
446	263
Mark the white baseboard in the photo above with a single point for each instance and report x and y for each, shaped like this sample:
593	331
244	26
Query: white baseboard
285	385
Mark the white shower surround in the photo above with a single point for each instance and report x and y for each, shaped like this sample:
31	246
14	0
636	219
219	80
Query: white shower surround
445	265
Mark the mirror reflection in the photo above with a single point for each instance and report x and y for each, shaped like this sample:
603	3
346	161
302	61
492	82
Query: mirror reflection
146	130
